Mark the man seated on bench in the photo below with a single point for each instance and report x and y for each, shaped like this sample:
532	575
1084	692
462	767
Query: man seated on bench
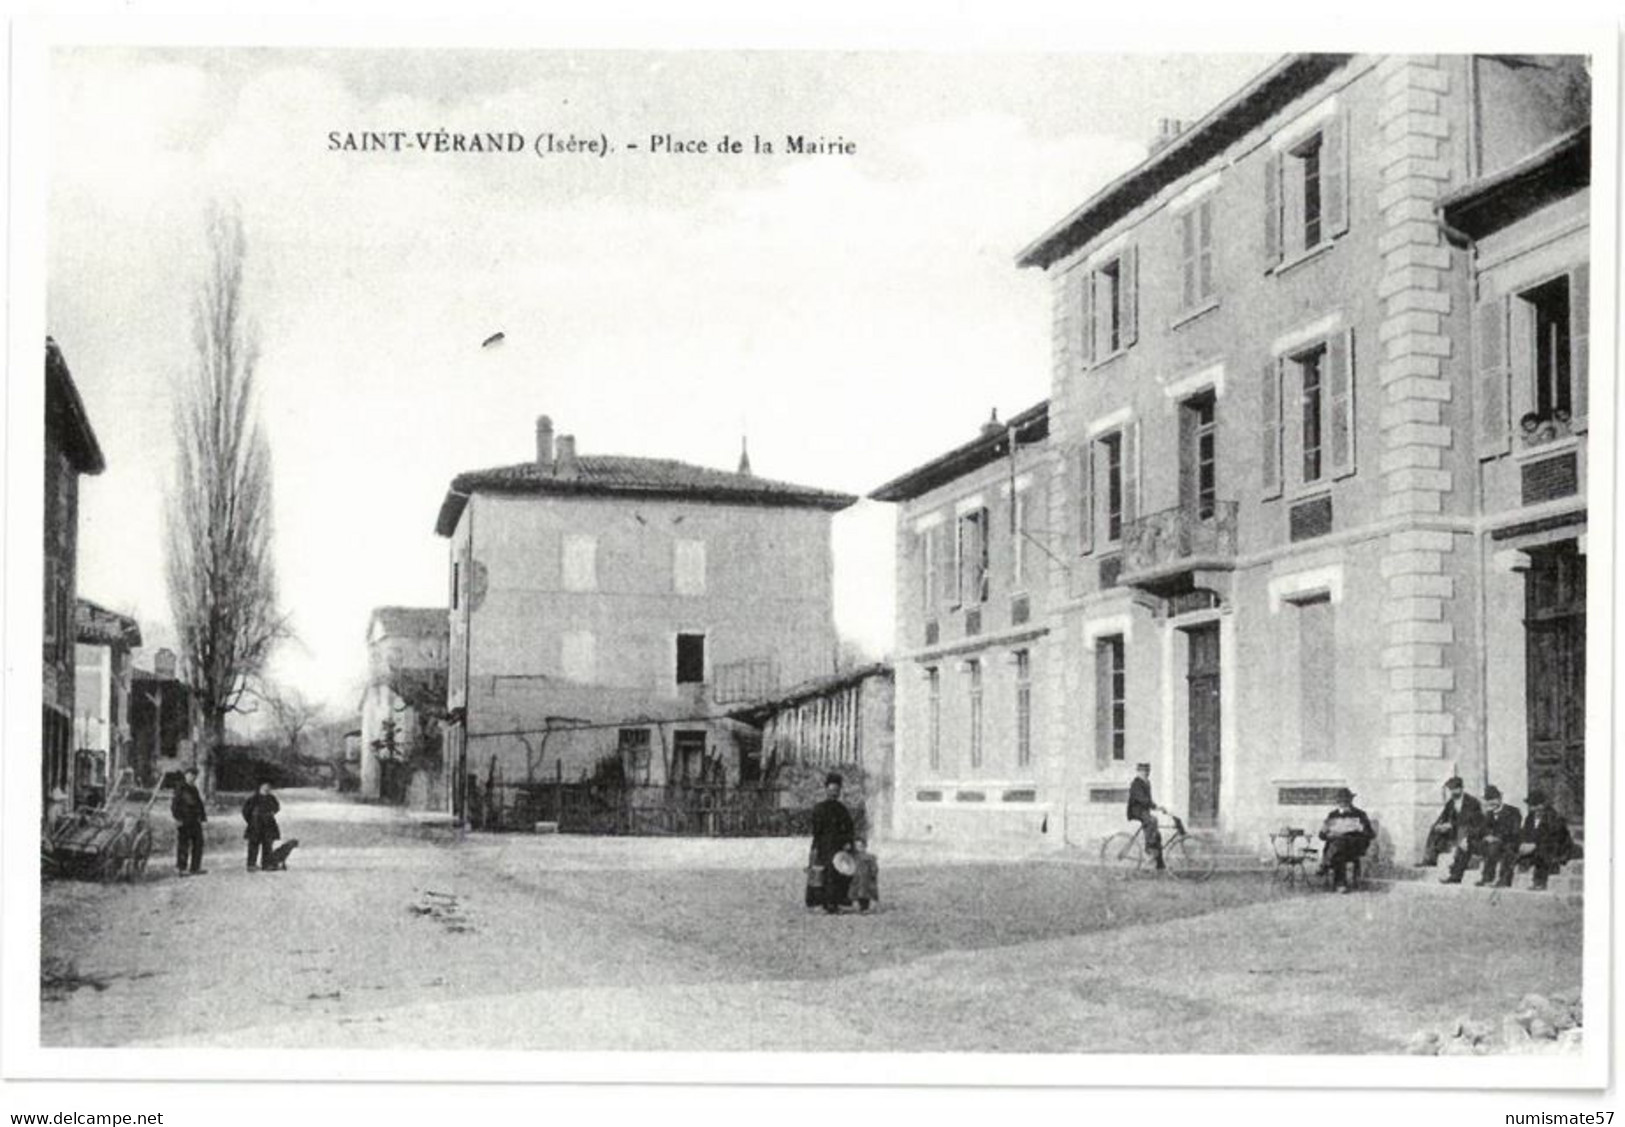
1348	834
1545	844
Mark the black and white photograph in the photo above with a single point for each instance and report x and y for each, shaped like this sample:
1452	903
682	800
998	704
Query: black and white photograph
877	564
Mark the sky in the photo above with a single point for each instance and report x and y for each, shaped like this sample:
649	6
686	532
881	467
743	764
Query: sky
853	314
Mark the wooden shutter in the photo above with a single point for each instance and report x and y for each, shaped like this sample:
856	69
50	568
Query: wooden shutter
1272	210
1129	294
1086	285
1340	377
1086	498
1490	321
1204	250
1579	347
1131	473
1064	329
984	570
1188	265
1270	428
1103	701
1187	458
947	569
1334	176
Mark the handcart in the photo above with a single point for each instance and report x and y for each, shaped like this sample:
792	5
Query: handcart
108	842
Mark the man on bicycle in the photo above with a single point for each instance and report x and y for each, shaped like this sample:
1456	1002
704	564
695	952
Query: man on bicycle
1143	810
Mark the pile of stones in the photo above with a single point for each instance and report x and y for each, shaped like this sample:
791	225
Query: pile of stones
1540	1024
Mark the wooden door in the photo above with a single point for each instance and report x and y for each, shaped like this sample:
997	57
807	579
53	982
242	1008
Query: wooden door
1202	683
1555	649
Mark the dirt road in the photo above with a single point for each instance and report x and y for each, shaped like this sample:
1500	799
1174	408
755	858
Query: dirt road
387	932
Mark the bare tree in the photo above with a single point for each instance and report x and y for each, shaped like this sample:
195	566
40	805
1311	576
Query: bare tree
222	581
294	717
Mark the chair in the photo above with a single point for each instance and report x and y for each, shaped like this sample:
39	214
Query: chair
1293	851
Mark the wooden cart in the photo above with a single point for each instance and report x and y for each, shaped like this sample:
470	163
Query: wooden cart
105	843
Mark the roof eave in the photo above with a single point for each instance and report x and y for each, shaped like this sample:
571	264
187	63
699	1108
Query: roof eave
1060	239
87	454
1555	171
961	460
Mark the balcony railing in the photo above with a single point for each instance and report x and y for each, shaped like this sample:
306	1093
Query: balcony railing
1166	545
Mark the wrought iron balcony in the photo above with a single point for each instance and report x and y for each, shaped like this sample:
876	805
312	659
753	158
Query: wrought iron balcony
1176	550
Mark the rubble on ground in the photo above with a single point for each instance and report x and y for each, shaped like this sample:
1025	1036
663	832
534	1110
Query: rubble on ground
1541	1024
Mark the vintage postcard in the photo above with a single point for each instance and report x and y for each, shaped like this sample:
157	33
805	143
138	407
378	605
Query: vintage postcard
1018	562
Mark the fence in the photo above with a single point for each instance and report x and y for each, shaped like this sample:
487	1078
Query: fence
614	808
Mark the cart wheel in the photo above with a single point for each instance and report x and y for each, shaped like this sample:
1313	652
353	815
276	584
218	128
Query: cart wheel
139	854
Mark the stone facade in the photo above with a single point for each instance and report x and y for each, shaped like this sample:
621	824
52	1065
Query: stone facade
1275	512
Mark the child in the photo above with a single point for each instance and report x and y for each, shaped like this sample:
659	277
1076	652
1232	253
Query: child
866	881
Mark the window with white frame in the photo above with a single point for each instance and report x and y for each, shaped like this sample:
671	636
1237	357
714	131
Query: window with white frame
1024	708
1317	679
971	557
1306	191
1111	699
1197	287
1110	306
1309	414
580	562
933	696
688	567
1108	489
973	669
1532	353
579	659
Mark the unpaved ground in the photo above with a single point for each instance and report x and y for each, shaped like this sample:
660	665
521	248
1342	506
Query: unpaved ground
387	933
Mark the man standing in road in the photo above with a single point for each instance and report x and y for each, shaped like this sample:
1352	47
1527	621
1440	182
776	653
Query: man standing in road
1142	809
832	833
189	813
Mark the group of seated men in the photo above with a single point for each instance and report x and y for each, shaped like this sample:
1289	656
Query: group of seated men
1493	831
1499	836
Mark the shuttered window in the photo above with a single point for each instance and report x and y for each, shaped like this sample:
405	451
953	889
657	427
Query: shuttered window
1306	192
1321	377
1196	257
1111	307
1111	703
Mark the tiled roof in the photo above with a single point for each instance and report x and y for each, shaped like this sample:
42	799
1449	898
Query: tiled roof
1556	170
618	475
413	622
95	625
1031	427
65	414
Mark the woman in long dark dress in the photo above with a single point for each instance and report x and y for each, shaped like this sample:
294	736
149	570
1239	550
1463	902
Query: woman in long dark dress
260	813
832	832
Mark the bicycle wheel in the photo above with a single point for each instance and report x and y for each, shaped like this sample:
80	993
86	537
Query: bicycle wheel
1122	853
1189	858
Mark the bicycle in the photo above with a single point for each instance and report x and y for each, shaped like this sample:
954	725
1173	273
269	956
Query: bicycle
1184	855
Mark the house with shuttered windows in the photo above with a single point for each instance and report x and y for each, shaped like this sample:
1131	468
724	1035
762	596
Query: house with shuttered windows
1285	489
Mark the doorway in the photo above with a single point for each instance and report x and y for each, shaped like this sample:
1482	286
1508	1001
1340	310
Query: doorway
1202	688
1555	652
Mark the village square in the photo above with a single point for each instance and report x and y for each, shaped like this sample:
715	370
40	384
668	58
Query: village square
1235	679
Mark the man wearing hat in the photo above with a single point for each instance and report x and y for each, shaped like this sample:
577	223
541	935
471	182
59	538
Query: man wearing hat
1143	810
1457	827
1348	834
1545	843
1498	845
832	833
190	813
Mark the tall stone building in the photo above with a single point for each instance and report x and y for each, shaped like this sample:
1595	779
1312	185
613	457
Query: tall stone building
1297	490
71	449
607	611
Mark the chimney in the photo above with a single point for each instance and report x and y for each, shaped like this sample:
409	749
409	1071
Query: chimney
992	426
1168	128
567	467
163	663
544	443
